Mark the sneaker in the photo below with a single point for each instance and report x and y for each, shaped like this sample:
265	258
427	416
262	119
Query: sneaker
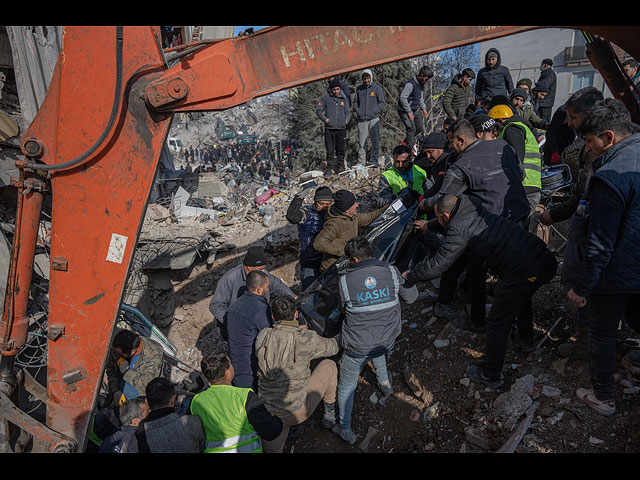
447	311
346	435
603	407
476	374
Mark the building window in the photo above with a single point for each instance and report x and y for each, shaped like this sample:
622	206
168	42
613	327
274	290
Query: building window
580	80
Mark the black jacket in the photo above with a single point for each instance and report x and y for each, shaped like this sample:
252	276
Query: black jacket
493	81
505	247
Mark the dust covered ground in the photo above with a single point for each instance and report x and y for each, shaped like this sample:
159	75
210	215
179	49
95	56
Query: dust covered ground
444	412
435	408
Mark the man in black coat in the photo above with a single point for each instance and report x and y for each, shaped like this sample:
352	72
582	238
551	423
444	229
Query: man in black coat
548	79
519	259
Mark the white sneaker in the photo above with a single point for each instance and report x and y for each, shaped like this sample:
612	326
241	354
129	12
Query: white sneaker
603	407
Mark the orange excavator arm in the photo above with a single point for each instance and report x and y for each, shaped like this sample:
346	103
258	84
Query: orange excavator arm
95	145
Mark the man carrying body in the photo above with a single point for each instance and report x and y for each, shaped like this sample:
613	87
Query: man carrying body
310	220
287	386
490	171
518	258
404	174
370	292
232	285
516	131
342	223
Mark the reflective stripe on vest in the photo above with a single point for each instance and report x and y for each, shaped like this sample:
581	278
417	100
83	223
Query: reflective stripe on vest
532	161
224	418
398	183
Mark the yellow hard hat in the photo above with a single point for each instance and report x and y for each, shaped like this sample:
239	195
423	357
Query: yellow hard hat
501	112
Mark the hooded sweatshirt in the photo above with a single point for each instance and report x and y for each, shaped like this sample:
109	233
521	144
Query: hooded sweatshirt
369	100
492	81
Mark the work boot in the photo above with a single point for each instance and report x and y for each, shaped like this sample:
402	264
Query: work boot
578	350
603	407
346	435
329	418
477	375
295	432
449	312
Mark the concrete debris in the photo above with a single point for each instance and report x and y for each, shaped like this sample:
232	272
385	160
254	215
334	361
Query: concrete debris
364	445
516	401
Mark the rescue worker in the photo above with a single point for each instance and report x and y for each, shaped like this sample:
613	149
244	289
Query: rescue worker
403	175
524	108
309	219
246	317
516	131
234	419
163	430
232	285
341	224
287	385
490	171
133	362
519	259
370	292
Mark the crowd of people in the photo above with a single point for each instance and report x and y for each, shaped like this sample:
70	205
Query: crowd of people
475	186
253	162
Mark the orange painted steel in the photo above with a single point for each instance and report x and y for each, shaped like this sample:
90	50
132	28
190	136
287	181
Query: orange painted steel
100	156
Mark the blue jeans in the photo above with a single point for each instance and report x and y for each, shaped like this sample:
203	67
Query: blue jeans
350	368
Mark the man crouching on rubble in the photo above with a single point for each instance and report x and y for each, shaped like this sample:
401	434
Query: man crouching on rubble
519	259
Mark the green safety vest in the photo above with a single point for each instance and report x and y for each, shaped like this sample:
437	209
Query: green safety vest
397	182
224	418
532	160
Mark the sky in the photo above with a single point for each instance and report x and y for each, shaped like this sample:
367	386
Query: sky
236	30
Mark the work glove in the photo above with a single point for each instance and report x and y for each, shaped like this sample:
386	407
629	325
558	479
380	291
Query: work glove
123	365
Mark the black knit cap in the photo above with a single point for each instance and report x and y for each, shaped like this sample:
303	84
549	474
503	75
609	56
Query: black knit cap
344	200
481	122
435	140
255	257
323	194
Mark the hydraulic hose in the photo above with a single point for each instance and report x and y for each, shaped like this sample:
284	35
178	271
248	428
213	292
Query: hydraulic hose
112	118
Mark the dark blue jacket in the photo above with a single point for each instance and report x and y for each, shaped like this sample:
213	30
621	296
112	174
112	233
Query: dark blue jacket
246	316
310	222
608	253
